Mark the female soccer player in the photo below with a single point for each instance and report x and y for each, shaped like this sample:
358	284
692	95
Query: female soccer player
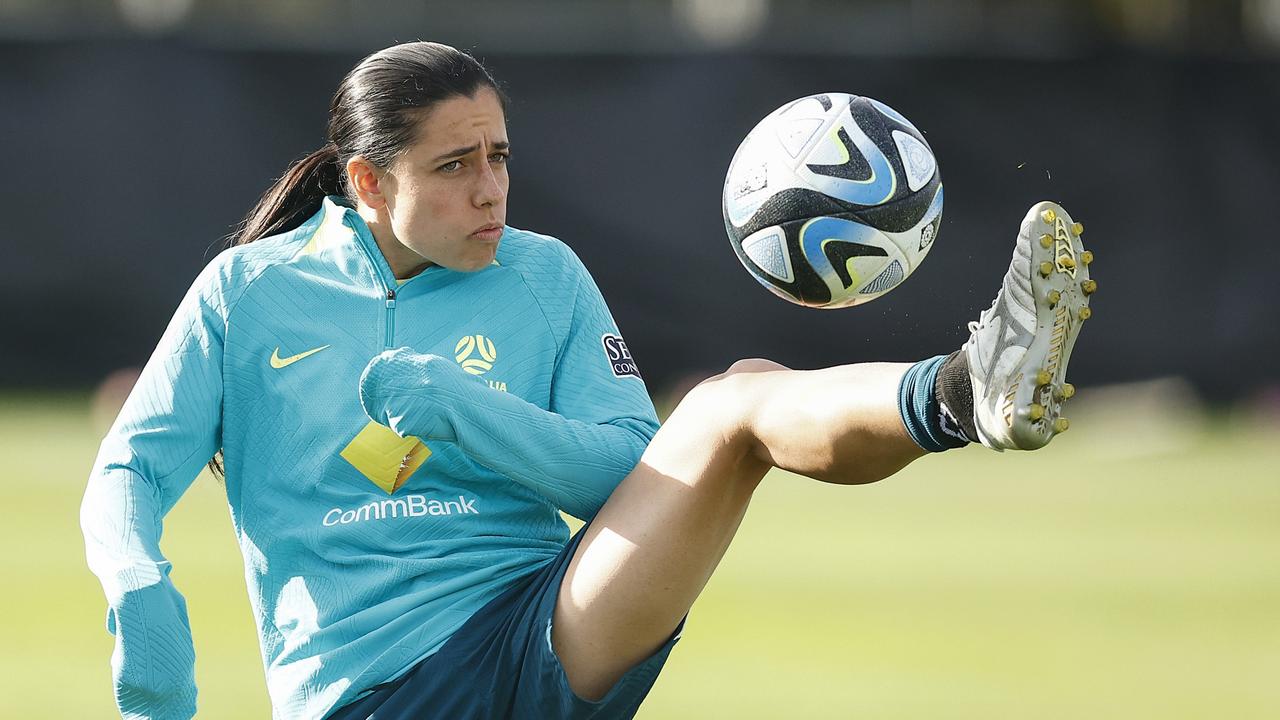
399	516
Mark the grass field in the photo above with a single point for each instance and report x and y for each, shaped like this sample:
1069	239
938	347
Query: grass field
1131	570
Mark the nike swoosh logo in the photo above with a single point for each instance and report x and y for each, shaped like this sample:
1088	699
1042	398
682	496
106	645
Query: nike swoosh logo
278	362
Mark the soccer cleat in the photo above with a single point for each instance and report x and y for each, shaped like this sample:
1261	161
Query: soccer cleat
1018	348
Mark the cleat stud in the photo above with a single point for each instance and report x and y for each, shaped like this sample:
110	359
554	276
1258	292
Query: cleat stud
1035	411
1061	425
1085	313
1077	228
1053	297
1046	268
1086	257
1088	286
1048	216
1046	241
1068	390
1043	377
1067	262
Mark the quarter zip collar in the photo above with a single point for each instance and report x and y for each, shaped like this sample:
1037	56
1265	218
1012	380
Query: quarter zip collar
363	238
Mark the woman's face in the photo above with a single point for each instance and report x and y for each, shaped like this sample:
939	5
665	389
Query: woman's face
446	198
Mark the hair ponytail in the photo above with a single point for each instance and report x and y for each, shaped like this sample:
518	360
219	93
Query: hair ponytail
294	197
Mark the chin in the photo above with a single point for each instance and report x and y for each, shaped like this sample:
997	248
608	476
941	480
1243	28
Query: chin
474	264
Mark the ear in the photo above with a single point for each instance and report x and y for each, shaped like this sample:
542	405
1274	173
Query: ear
366	179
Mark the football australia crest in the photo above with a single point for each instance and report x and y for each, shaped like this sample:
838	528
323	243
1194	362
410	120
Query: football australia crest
477	354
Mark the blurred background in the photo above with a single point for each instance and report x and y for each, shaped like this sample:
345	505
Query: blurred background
1130	570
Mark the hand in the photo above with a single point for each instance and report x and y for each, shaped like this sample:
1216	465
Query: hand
410	392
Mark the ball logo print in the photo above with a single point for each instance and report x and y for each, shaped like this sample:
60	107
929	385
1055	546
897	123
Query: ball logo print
469	347
926	236
832	200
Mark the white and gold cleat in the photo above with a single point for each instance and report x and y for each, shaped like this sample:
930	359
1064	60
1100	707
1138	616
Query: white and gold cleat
1018	349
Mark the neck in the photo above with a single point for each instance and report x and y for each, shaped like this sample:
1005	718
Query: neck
404	262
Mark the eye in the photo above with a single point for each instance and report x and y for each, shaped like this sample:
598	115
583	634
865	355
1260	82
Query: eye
451	166
500	158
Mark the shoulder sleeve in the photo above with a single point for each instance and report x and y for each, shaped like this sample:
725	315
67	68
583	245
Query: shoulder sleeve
596	379
168	429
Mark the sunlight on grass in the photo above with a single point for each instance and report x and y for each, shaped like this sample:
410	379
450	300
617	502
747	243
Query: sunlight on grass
1093	579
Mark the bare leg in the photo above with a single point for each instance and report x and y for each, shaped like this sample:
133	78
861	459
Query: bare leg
652	548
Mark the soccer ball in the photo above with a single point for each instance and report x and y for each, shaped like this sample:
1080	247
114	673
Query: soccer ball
832	200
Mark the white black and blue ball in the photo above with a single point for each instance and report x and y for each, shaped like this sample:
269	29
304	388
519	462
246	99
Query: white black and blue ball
833	200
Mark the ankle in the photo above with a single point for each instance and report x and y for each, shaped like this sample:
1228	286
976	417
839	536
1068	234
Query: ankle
953	390
928	419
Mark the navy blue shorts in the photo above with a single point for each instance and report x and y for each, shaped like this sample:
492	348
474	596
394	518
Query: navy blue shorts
500	664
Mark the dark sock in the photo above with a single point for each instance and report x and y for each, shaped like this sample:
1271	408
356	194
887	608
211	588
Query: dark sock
954	392
922	409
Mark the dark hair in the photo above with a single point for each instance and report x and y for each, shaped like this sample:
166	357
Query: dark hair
375	113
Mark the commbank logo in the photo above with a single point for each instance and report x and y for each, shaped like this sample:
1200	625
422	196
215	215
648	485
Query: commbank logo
407	506
384	457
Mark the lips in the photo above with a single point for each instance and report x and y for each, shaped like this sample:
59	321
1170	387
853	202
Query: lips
491	232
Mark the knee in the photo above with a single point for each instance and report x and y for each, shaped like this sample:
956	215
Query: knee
754	365
726	404
718	404
734	392
712	428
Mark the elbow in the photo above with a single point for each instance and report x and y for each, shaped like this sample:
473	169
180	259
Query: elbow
113	518
639	433
104	491
91	504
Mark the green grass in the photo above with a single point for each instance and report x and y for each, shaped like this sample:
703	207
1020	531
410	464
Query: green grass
1131	570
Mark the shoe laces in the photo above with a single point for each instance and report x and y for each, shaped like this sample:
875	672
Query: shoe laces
975	325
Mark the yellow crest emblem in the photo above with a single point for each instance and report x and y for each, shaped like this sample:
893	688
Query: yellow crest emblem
476	354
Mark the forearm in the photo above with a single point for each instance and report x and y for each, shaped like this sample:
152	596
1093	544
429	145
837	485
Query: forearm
573	463
154	660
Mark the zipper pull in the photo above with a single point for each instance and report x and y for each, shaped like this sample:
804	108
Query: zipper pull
391	299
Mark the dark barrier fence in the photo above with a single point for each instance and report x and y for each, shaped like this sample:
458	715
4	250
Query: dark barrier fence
127	163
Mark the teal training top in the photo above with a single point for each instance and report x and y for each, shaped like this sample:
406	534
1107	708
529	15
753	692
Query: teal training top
503	395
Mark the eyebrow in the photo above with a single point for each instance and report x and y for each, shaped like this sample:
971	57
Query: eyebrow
458	152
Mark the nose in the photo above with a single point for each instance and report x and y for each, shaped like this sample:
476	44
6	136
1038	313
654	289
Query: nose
489	188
